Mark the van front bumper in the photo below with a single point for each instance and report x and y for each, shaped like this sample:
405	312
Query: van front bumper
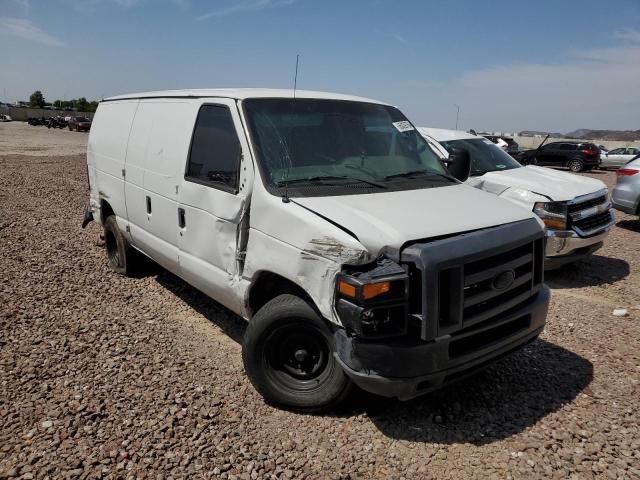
405	368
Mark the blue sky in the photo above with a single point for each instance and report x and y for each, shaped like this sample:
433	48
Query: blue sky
510	65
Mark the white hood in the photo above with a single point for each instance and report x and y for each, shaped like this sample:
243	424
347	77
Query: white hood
556	185
394	218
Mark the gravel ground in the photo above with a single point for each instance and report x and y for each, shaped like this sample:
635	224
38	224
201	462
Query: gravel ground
106	376
20	138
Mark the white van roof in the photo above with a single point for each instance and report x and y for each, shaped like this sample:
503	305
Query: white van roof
443	135
242	93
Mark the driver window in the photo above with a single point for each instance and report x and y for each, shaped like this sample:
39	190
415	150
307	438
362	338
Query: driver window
214	158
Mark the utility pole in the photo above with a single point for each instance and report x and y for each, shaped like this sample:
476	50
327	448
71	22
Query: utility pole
457	114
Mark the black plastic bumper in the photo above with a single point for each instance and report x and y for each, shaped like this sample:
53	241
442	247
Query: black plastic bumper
406	369
552	263
88	217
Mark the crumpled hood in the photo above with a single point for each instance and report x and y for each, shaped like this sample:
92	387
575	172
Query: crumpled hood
556	185
394	218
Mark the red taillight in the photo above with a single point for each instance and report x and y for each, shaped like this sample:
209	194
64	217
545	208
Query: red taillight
625	172
588	151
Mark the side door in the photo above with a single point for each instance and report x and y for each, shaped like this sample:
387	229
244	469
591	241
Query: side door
563	154
545	154
213	200
157	150
613	157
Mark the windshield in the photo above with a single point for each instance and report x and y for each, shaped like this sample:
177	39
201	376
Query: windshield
485	156
82	119
339	147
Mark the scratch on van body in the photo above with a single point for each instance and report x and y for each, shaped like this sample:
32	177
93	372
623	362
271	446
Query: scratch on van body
331	248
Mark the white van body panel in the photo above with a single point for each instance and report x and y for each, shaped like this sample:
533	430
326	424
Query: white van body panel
106	155
287	239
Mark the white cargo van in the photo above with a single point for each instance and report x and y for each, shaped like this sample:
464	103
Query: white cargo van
328	223
575	209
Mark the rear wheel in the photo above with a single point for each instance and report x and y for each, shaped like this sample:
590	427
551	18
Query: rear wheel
288	356
122	257
575	165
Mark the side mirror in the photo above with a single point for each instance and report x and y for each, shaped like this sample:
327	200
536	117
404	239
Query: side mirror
459	164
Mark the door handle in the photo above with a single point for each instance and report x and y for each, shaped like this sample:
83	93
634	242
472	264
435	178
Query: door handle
148	200
181	219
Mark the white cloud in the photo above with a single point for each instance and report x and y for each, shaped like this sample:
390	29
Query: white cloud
398	37
591	89
25	4
127	3
26	30
628	35
244	6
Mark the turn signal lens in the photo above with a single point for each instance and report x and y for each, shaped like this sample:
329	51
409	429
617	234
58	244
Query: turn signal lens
553	214
374	289
347	290
555	223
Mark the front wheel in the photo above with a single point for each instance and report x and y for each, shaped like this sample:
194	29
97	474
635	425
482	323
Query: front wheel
288	355
576	165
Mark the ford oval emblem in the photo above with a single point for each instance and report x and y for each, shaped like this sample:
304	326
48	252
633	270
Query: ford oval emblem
503	280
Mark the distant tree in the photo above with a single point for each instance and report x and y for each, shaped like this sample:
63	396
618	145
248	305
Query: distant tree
93	106
36	99
82	105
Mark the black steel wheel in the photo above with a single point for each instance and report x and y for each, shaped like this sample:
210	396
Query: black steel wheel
288	356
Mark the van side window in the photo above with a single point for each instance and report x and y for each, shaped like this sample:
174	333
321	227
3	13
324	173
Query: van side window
214	158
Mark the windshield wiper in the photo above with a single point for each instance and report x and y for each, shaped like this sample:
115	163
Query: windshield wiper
323	179
418	173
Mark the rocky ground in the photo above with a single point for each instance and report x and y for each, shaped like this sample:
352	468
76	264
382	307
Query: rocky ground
106	376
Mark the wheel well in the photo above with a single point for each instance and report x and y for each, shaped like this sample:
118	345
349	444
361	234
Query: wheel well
105	210
268	286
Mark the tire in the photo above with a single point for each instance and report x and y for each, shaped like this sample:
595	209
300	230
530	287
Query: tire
288	356
575	165
123	259
70	129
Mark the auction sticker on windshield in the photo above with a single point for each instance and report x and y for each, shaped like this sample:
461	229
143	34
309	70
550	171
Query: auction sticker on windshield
403	126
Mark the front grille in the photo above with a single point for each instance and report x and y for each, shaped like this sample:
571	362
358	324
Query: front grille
465	281
593	225
591	215
576	207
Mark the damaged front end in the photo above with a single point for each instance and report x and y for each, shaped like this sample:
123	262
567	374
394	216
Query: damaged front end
438	310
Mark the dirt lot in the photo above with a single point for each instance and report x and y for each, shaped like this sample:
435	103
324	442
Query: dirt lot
105	376
18	138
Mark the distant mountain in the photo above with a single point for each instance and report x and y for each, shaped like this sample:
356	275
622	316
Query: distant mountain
619	135
539	133
588	134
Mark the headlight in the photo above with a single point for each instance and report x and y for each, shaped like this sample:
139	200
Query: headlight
553	214
373	302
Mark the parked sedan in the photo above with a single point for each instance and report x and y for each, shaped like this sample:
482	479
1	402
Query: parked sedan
626	194
79	124
618	157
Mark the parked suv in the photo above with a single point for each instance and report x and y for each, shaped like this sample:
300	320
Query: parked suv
575	156
79	124
575	209
328	223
